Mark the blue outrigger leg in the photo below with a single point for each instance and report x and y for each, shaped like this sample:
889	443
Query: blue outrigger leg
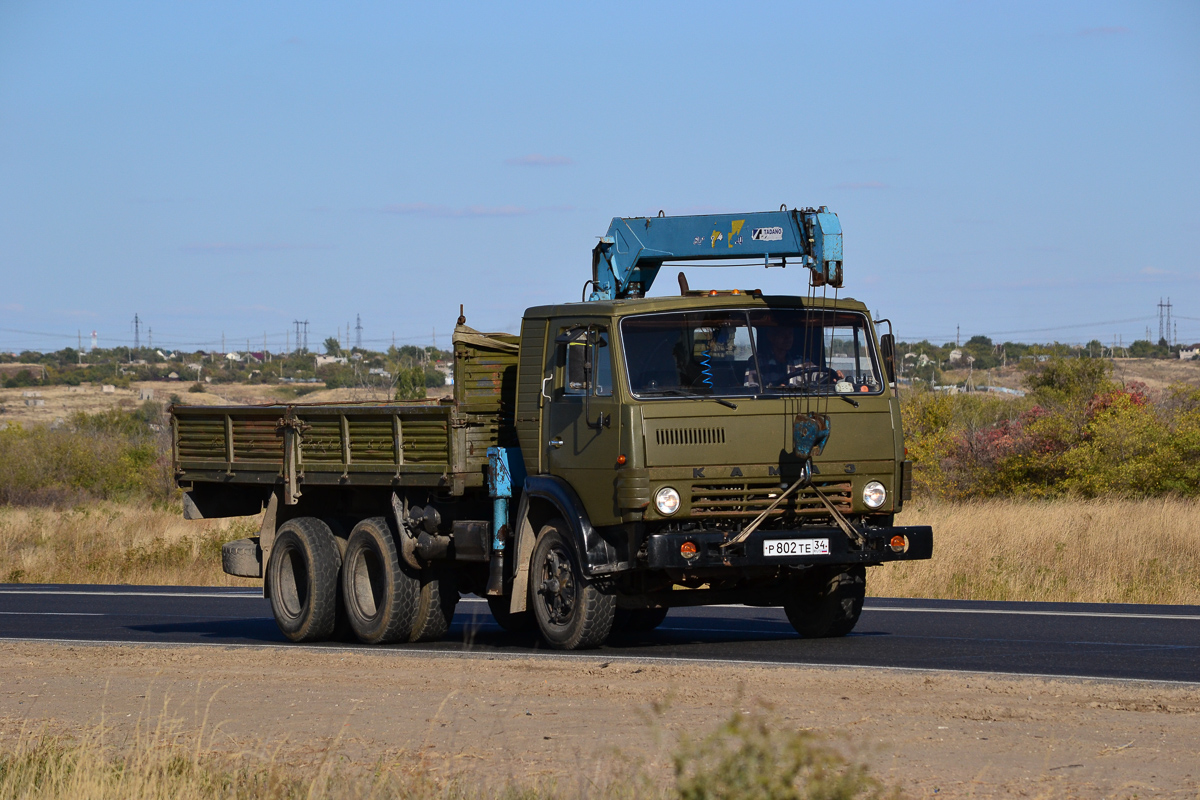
503	462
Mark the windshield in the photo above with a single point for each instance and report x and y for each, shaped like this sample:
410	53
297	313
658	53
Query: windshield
749	352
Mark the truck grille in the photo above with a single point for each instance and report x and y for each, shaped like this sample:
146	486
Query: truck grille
685	436
750	498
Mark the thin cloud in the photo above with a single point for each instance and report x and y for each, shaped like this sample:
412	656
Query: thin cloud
1155	271
232	248
539	160
863	185
11	307
1105	30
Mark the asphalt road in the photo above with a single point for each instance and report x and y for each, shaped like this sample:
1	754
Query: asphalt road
1142	642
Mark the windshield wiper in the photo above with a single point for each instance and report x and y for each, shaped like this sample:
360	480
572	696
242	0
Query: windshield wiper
810	393
692	395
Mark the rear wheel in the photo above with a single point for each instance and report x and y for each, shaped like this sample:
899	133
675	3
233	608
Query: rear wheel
571	613
302	574
380	593
826	603
436	600
519	622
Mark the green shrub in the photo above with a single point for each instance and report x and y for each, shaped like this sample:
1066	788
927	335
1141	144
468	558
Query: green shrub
111	455
1077	433
745	759
410	383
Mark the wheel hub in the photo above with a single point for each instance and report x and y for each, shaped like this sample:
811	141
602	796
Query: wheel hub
557	588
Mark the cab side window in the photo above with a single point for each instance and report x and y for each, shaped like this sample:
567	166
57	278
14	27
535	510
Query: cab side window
587	362
602	358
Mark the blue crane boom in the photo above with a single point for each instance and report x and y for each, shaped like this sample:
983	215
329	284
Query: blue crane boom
627	259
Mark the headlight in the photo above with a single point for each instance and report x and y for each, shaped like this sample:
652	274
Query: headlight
874	494
666	500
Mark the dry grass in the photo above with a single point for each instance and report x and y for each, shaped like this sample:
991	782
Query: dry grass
116	543
747	758
1096	551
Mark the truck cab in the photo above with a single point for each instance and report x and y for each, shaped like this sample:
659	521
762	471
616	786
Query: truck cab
658	429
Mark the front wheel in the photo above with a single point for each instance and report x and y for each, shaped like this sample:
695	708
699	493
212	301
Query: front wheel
825	603
571	613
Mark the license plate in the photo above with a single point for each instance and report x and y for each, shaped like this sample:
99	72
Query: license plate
795	547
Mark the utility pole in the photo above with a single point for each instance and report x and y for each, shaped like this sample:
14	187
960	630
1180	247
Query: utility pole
137	333
302	348
957	335
150	331
358	332
1164	321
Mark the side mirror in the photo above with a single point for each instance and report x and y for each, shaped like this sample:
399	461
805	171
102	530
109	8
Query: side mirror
887	345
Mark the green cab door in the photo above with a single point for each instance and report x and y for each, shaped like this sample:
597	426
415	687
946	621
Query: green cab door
582	438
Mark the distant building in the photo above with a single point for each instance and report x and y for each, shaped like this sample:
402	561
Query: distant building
324	360
1188	353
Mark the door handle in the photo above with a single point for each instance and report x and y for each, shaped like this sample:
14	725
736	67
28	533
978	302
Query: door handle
555	442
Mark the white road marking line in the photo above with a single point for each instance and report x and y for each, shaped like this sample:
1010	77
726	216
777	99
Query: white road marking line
54	614
1032	613
247	596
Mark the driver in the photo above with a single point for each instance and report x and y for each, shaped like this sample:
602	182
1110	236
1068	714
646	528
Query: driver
779	365
775	355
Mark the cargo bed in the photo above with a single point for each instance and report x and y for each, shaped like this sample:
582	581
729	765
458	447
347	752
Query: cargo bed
420	443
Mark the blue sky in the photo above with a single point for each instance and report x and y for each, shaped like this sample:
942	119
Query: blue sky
1029	171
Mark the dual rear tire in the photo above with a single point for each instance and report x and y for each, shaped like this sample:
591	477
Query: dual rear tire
382	599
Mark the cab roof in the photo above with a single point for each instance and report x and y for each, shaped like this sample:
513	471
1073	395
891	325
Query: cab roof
692	301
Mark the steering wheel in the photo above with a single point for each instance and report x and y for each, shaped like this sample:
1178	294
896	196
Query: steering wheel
816	376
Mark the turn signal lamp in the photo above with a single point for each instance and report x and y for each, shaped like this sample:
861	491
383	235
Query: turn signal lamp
713	293
688	549
621	460
899	543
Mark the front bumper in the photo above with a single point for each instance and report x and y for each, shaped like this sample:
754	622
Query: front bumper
663	549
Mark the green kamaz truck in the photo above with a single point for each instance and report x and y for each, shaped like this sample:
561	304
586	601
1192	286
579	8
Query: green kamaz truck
618	457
